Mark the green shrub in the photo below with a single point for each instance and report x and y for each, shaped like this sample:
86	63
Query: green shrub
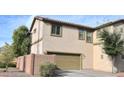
11	65
2	65
47	69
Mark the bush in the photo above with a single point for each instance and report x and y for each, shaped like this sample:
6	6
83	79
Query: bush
2	65
48	69
11	65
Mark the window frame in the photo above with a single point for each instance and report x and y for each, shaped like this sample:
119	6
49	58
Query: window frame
55	32
87	40
83	33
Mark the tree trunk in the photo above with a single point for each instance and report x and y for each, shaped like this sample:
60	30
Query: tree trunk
114	68
6	68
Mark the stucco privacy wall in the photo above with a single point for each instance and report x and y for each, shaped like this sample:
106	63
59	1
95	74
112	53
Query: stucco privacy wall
31	63
68	43
20	63
120	64
28	64
40	59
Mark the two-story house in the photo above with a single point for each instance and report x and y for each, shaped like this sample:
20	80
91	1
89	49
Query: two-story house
76	46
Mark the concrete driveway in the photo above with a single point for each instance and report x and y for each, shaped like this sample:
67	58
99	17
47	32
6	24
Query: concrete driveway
84	73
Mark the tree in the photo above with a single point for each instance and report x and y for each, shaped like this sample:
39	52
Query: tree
113	45
21	41
6	55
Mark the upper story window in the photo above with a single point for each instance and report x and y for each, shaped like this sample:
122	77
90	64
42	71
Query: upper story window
56	30
89	37
81	34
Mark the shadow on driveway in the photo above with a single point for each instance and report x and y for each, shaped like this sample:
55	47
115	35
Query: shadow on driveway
83	73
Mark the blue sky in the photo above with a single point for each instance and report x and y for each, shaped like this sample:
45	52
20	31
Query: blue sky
9	23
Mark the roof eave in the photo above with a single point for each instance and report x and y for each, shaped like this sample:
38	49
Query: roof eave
60	22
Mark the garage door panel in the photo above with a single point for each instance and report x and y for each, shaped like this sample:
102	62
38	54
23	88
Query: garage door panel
68	62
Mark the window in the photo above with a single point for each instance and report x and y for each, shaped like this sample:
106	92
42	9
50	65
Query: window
81	34
89	37
56	30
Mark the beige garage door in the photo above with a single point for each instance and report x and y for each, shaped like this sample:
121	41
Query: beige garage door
68	61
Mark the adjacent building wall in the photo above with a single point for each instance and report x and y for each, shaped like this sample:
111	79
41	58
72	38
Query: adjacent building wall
101	61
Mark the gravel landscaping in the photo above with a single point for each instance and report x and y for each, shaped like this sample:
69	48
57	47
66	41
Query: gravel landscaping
13	72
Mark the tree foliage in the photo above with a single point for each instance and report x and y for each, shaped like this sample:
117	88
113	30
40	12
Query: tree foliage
6	54
21	41
113	43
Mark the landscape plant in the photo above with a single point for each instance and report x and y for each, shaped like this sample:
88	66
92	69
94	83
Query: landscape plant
6	56
47	69
21	41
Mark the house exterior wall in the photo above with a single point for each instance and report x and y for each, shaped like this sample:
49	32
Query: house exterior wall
68	43
92	54
37	37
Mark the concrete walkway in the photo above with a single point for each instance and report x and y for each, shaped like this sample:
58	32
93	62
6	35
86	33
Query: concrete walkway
84	73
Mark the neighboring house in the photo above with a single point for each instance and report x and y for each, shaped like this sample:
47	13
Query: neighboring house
76	46
101	60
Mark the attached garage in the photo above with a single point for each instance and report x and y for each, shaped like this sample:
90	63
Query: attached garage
67	61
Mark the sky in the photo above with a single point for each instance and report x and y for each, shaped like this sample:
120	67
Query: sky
8	23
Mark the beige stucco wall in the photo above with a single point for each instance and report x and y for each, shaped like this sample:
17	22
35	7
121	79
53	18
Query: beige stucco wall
38	35
68	43
99	63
